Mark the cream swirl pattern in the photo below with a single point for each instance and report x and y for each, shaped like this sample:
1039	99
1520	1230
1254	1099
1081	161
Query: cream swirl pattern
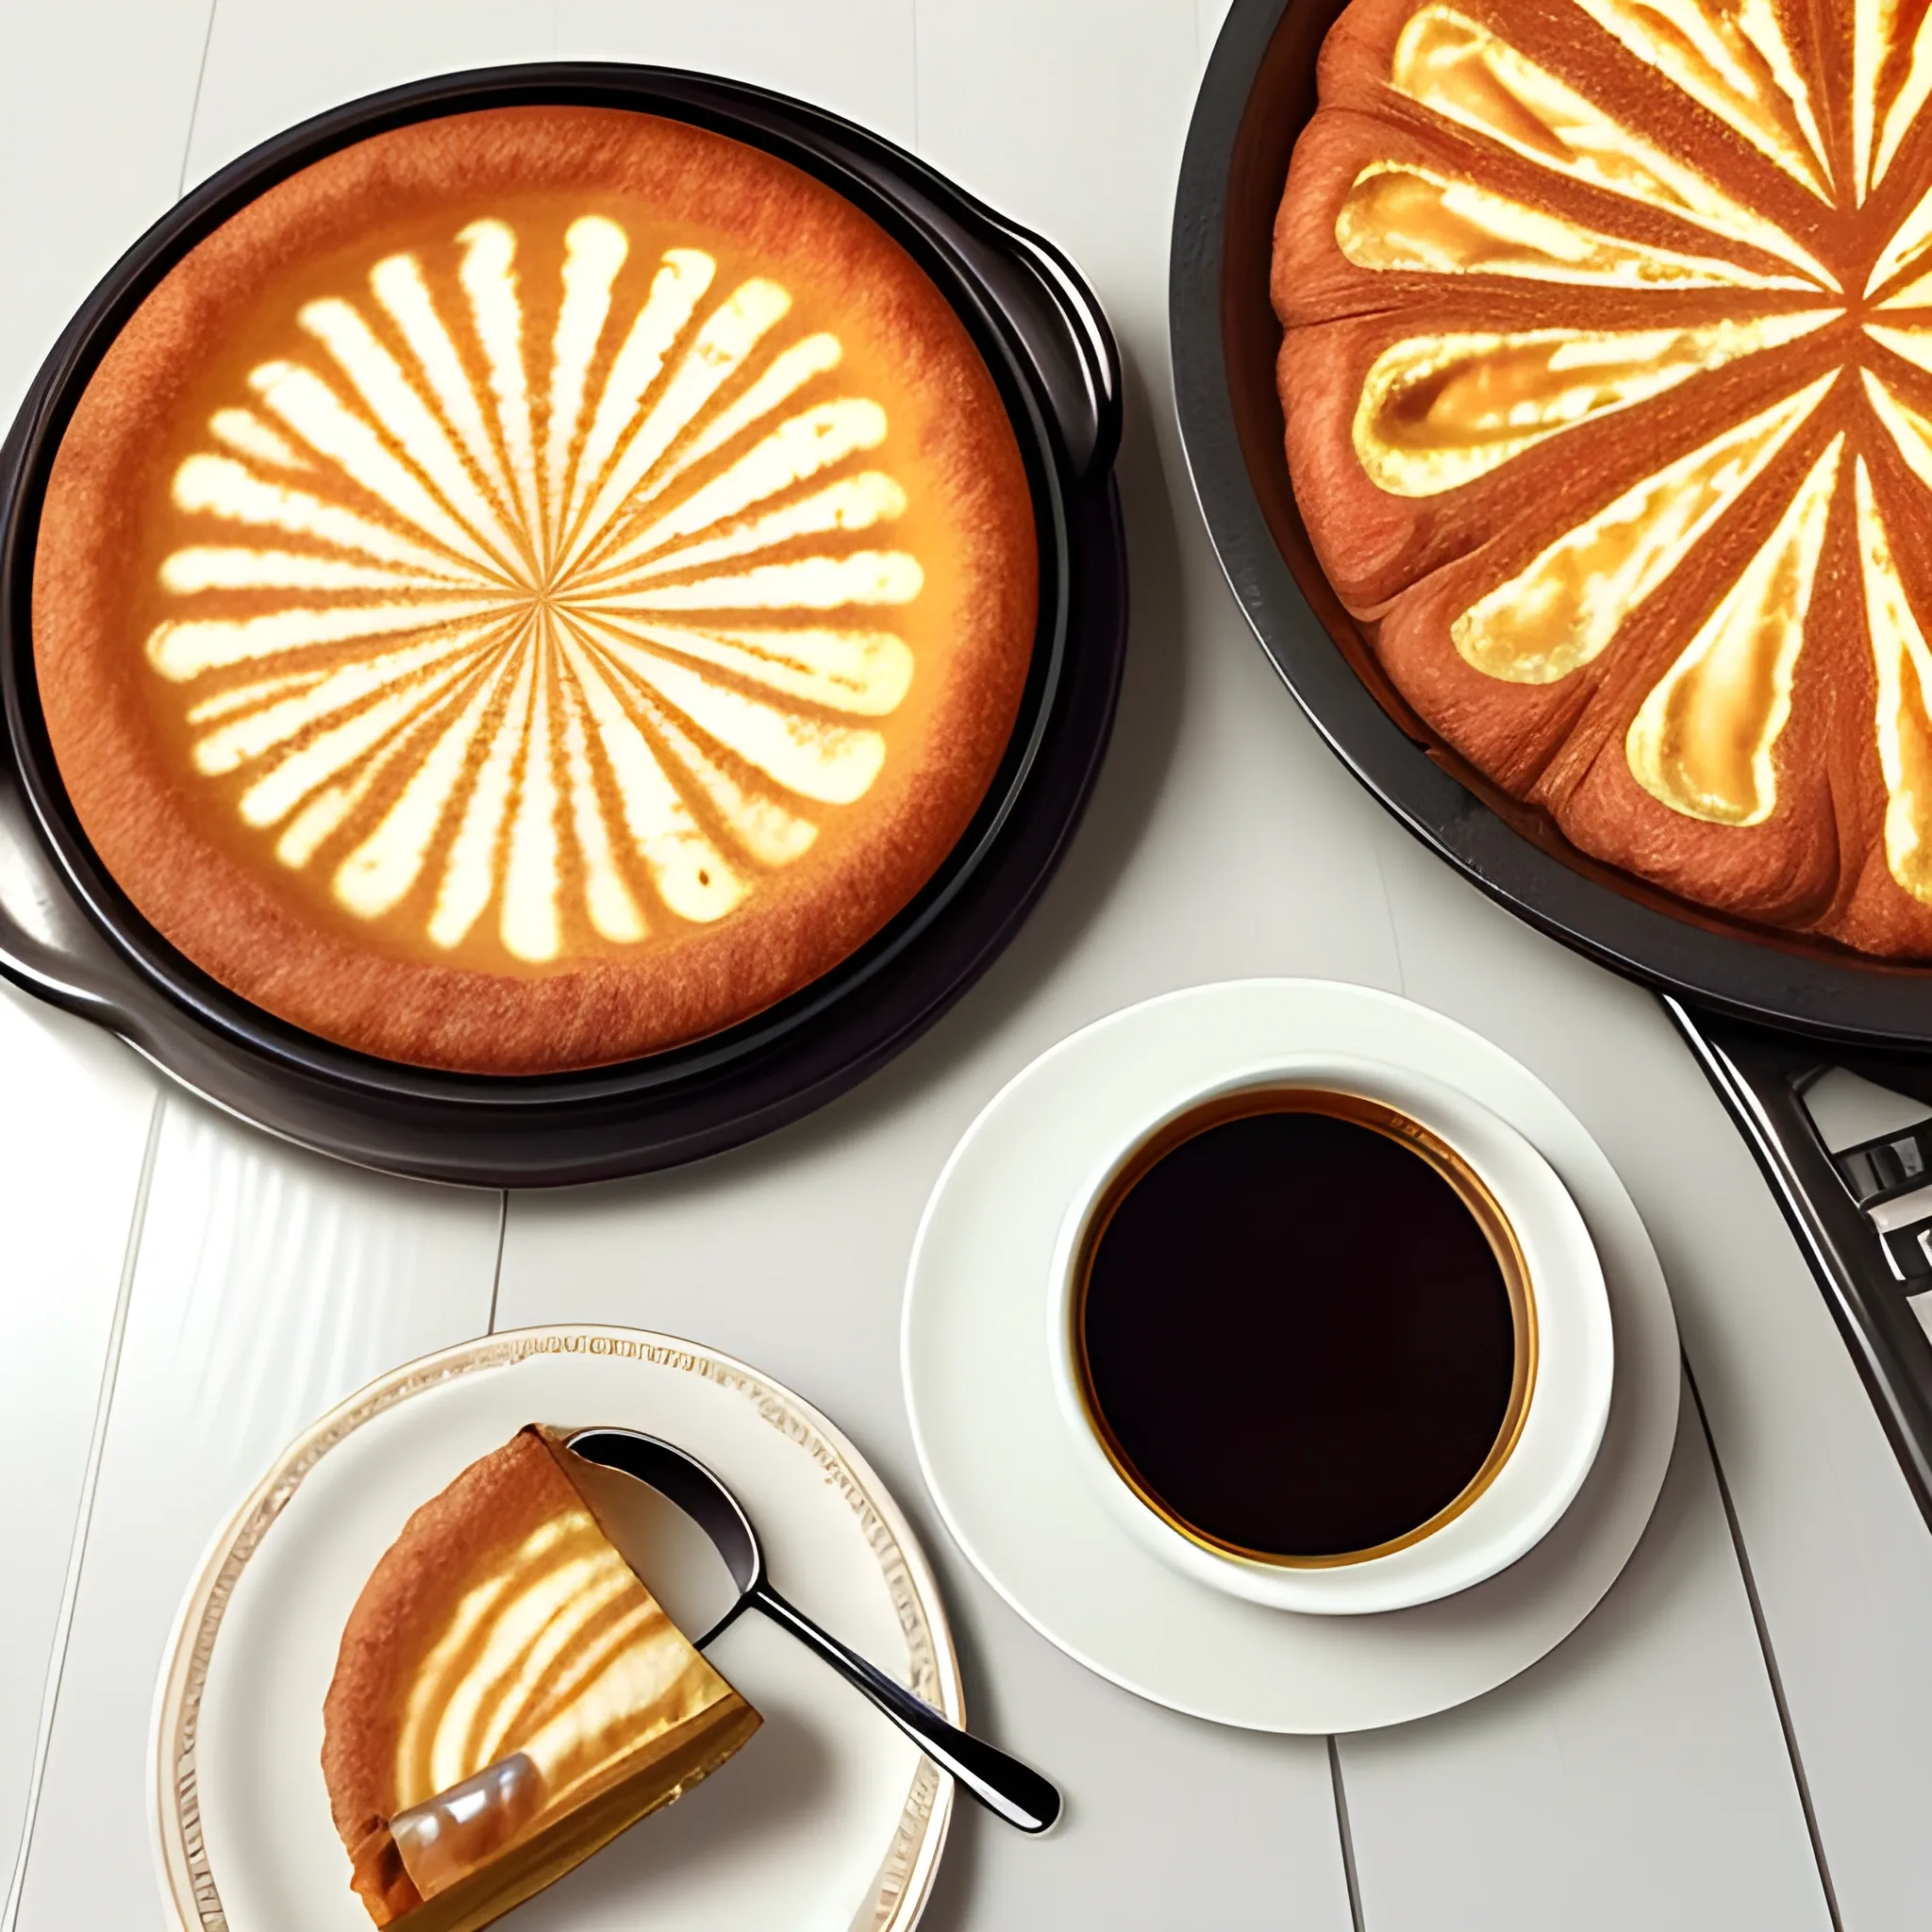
1700	743
1772	162
508	1696
571	633
561	1658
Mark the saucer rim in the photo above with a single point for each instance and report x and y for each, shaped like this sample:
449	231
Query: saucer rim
1637	1279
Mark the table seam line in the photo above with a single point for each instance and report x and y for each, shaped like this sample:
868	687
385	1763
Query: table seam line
1389	918
1345	1832
496	1273
916	147
1771	1666
83	1522
207	40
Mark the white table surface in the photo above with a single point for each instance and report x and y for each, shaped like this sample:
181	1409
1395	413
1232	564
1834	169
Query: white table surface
1737	1737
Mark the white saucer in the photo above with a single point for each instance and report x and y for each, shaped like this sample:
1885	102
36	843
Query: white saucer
829	1820
1002	1466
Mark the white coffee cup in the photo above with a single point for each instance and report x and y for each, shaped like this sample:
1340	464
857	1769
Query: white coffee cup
1565	1355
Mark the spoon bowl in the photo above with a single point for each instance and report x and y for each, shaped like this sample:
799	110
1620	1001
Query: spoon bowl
1008	1788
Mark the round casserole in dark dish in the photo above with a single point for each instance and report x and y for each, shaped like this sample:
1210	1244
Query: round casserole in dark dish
540	791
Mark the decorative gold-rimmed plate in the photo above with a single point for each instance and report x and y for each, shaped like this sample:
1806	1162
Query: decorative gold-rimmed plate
829	1819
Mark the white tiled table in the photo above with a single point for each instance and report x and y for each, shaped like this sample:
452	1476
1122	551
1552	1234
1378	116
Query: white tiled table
177	1294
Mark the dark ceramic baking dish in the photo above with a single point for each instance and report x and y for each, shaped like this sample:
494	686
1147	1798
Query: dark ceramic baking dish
69	934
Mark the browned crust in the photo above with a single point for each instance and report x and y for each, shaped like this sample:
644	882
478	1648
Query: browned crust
1406	567
240	924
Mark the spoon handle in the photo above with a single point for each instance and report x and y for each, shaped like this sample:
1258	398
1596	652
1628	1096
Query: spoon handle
1001	1784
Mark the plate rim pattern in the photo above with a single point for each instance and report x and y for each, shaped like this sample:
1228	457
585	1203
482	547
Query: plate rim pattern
905	1879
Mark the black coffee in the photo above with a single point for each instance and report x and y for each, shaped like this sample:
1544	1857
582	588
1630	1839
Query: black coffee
1298	1334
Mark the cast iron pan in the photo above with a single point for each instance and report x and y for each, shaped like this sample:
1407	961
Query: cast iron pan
1764	1016
70	935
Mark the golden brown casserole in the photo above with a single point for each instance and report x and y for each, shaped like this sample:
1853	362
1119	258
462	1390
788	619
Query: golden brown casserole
534	587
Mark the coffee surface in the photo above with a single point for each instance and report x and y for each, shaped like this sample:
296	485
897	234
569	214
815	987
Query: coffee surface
1299	1335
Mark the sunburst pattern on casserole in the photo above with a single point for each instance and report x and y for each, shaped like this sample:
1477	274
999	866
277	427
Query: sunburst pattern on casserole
1608	369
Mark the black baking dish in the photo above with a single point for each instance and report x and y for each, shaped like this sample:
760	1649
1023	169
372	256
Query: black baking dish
68	934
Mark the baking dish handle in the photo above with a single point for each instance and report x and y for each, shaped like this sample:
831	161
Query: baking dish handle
1070	343
1867	1264
46	943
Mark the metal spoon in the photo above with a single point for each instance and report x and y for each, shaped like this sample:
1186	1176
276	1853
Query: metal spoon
1001	1784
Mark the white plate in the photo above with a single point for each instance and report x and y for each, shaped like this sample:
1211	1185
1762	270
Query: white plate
1569	1396
1002	1467
829	1819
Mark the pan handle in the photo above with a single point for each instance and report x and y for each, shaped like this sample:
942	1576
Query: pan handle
47	946
1067	340
1865	1268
